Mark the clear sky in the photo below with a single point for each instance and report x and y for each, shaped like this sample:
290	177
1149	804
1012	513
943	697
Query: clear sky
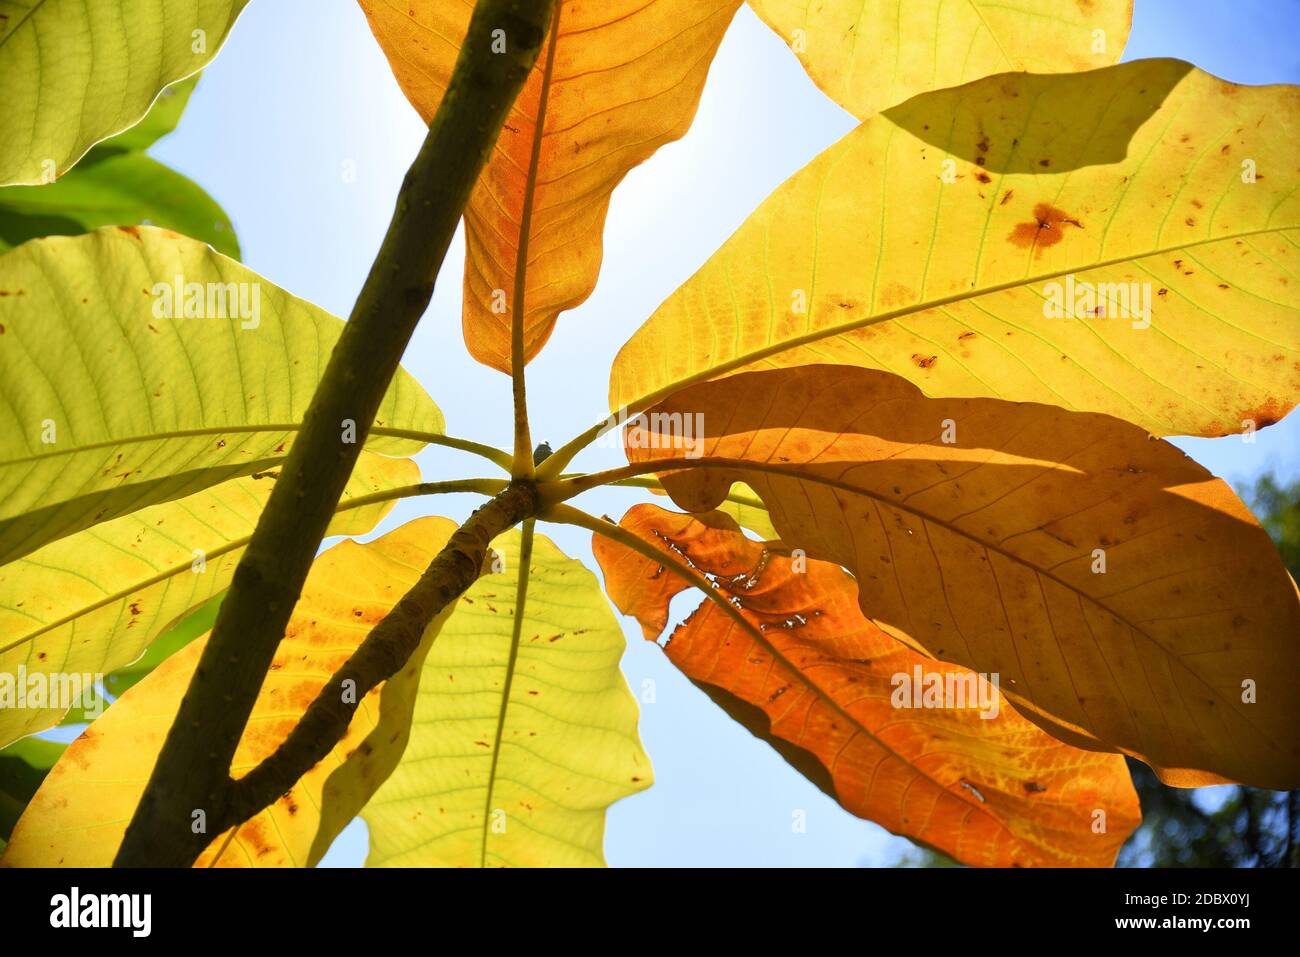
301	95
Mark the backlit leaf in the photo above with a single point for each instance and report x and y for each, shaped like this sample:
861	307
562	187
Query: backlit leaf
870	54
514	762
1128	599
936	239
23	766
112	188
161	119
73	73
106	406
78	816
963	774
91	603
624	78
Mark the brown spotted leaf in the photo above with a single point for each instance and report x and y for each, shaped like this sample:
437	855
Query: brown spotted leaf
1125	241
622	78
961	773
78	816
1128	599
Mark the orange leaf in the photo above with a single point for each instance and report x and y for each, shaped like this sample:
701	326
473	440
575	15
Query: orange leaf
1128	598
624	78
985	786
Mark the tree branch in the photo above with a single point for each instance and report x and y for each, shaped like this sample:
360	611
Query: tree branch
193	770
385	650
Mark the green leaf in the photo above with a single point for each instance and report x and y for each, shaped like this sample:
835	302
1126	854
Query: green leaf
74	72
157	123
514	760
23	766
92	603
197	623
106	408
111	188
118	185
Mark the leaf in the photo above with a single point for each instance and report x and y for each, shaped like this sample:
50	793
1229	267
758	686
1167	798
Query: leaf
194	625
870	54
161	119
514	763
142	409
23	766
1127	175
747	510
92	603
78	816
117	185
984	552
73	73
112	188
623	78
964	775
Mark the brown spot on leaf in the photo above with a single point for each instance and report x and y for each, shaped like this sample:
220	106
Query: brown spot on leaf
1047	228
924	362
983	177
131	230
1267	414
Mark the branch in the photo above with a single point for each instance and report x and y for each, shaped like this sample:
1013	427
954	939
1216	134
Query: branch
193	769
385	650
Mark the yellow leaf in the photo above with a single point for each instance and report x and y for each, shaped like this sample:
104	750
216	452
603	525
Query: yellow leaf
1127	598
966	239
748	511
870	54
622	78
515	755
138	366
78	816
920	747
93	602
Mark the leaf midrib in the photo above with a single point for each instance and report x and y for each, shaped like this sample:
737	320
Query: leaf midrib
739	618
517	629
830	332
361	501
741	464
199	433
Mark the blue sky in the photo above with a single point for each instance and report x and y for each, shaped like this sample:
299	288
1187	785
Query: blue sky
301	95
